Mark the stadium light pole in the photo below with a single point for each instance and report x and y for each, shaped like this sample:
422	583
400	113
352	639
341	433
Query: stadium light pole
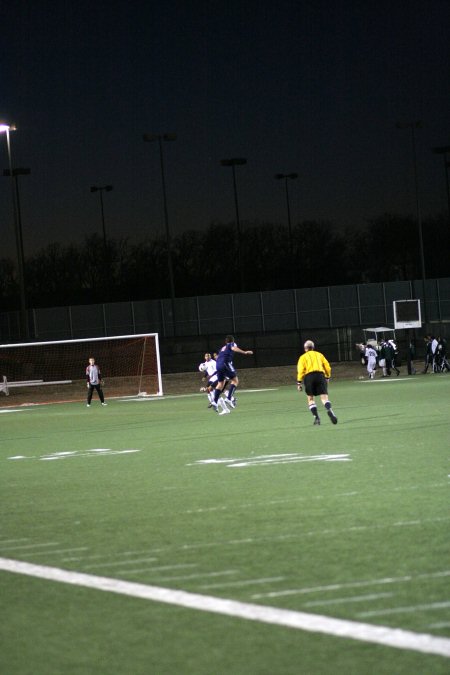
413	126
101	189
234	162
286	177
445	151
19	171
151	138
6	128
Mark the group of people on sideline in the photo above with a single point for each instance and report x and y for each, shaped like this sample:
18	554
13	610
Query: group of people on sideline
436	354
385	356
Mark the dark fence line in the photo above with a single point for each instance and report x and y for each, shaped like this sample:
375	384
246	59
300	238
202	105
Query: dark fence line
274	322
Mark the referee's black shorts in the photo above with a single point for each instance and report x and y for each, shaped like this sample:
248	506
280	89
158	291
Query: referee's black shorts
315	383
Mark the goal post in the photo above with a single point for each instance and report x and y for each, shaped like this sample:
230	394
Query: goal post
130	366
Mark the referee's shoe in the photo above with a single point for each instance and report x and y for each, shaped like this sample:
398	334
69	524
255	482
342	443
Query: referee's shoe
332	416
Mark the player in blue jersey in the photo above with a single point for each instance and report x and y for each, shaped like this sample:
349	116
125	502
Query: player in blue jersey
226	371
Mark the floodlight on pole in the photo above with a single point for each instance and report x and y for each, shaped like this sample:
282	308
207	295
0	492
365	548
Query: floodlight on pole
234	162
286	177
159	138
6	128
413	126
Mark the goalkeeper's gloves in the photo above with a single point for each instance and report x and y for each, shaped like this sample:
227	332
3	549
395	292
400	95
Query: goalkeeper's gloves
299	386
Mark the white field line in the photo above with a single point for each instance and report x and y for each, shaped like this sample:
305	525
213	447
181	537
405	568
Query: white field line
161	568
291	500
388	379
291	537
344	601
406	610
351	584
202	575
22	546
97	556
314	623
246	582
60	551
134	399
119	562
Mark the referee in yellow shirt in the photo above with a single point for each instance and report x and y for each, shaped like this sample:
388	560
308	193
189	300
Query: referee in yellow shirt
314	371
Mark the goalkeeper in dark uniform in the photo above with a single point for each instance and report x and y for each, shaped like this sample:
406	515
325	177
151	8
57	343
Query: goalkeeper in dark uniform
94	381
313	372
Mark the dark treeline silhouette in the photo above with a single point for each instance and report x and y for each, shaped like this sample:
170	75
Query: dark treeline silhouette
205	262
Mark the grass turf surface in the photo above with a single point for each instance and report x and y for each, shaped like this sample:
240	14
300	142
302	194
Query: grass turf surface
361	536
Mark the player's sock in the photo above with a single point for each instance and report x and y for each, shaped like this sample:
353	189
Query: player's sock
231	391
313	409
217	393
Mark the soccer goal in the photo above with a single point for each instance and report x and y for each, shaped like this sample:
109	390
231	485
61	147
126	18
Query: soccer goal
130	366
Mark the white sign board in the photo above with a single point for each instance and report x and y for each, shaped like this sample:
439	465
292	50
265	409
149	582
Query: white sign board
407	314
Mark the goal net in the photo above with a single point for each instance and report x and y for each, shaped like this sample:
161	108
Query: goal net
40	371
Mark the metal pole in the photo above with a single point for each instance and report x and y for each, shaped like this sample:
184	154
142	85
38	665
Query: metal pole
19	245
103	221
238	229
291	245
419	222
168	239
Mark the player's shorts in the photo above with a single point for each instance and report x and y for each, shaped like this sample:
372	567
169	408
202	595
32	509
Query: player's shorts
226	372
315	384
212	382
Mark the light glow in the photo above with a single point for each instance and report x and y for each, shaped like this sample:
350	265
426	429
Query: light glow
4	128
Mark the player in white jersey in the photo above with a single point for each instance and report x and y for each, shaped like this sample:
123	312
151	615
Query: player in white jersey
208	367
371	357
94	381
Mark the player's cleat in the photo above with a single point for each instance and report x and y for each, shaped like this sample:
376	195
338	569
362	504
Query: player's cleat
332	416
222	405
104	404
317	420
88	405
225	411
230	401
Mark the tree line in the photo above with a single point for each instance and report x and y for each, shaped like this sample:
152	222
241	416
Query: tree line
206	262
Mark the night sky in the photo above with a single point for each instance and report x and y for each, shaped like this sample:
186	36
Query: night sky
314	87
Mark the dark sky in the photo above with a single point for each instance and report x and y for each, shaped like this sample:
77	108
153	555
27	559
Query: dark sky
314	87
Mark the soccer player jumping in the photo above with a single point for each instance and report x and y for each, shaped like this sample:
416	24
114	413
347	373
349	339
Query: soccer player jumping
314	371
226	371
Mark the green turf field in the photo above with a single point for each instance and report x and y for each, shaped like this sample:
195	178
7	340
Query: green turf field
259	507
